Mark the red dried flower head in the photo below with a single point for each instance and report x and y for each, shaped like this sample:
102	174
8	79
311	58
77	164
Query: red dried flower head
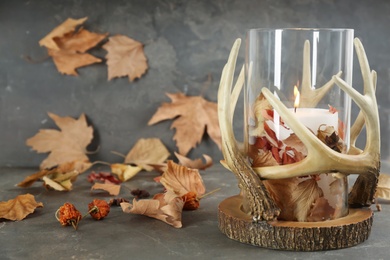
98	209
68	215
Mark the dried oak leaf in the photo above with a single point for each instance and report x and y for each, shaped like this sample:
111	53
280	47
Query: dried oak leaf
65	146
147	151
195	164
125	57
19	207
66	27
112	189
194	116
165	207
383	188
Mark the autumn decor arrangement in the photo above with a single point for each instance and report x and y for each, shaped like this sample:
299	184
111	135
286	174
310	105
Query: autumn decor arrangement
298	148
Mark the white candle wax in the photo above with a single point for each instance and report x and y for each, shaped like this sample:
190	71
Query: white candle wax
312	118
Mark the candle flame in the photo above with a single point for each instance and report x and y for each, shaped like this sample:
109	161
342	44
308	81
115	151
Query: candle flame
297	97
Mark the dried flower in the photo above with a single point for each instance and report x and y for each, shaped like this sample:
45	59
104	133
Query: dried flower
68	215
98	209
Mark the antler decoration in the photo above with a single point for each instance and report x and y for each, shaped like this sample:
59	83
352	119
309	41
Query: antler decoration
322	159
258	203
309	96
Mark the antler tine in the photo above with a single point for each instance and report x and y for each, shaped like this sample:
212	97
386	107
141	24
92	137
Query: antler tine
367	101
236	91
310	97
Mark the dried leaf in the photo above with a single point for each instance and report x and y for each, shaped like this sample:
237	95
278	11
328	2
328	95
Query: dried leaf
193	115
125	57
296	143
59	169
280	191
383	188
61	181
165	207
66	27
263	159
68	61
321	211
112	189
304	196
195	164
181	180
124	171
146	152
260	109
80	41
65	146
19	207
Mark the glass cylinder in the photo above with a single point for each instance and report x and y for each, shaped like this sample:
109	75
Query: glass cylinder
297	66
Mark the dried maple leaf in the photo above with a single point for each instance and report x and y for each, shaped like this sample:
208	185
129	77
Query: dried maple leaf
67	61
66	27
165	207
19	207
125	57
195	115
195	164
112	189
146	152
67	47
125	171
65	146
321	210
304	196
182	180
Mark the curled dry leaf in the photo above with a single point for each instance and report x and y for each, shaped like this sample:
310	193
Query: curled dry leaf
195	164
112	189
125	171
125	57
56	170
65	146
192	116
147	152
60	181
66	27
19	207
181	180
166	207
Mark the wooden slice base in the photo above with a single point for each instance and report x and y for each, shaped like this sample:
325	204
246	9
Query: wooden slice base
290	235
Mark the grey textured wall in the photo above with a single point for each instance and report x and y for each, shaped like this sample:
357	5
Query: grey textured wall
185	41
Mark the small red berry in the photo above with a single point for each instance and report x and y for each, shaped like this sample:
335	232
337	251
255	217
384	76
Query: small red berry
98	209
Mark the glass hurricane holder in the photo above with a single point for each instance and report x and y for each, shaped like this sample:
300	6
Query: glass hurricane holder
297	66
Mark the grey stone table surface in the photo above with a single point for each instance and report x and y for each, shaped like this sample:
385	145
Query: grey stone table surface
125	236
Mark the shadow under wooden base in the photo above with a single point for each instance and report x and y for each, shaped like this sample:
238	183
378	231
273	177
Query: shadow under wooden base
344	232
